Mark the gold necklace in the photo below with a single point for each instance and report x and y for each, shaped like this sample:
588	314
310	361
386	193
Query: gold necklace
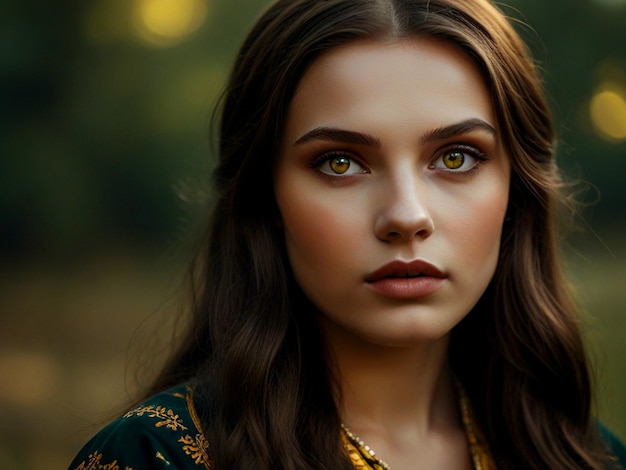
363	456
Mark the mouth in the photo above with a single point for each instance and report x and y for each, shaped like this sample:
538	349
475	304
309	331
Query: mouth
402	270
404	281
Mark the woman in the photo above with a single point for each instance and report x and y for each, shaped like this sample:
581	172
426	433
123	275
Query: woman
381	265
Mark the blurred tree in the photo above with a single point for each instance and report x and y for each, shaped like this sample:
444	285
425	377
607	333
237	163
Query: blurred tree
101	123
37	50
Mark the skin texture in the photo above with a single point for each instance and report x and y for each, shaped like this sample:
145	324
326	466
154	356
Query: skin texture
352	202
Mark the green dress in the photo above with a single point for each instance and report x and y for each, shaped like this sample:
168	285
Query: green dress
162	433
165	433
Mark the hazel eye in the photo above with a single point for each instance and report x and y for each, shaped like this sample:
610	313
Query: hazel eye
339	164
453	159
460	159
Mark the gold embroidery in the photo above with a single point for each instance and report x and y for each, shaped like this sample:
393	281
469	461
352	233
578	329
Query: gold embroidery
479	448
160	456
358	457
192	410
166	416
363	458
196	449
94	463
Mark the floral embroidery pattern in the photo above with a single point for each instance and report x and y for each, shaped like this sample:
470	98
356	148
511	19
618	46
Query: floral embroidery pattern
196	449
94	463
166	416
167	434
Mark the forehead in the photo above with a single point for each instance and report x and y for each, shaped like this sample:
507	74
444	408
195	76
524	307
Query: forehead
367	81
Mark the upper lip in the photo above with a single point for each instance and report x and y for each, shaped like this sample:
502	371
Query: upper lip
399	268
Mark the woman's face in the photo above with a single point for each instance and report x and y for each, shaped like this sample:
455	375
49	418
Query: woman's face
392	185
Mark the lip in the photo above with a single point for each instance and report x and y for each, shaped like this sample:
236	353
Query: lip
405	280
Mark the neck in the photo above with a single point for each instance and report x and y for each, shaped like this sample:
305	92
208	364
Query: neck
385	390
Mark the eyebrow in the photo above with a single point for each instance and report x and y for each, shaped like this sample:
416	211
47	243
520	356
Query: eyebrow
359	138
459	128
339	135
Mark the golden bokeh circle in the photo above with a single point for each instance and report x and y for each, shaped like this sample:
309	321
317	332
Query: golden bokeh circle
167	22
607	110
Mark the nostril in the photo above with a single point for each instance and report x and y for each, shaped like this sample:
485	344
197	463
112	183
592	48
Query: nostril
407	234
400	222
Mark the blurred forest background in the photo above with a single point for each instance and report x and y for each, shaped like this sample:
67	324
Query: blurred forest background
104	161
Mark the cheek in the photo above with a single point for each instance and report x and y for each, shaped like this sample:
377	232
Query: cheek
474	227
326	234
480	224
317	229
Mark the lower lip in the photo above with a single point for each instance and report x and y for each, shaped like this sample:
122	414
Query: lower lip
406	288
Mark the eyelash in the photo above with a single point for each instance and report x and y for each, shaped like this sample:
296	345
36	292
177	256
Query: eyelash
328	156
473	152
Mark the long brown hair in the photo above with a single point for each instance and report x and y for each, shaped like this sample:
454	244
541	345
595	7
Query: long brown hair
252	348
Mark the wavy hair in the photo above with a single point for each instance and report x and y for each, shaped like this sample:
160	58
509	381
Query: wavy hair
252	347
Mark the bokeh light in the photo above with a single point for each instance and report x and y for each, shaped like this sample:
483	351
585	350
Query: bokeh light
167	22
28	378
608	111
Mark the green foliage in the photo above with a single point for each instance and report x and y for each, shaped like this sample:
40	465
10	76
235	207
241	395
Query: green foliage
99	128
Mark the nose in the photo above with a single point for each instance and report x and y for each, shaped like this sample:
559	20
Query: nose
404	215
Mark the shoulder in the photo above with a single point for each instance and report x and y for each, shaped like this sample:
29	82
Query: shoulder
162	432
616	448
